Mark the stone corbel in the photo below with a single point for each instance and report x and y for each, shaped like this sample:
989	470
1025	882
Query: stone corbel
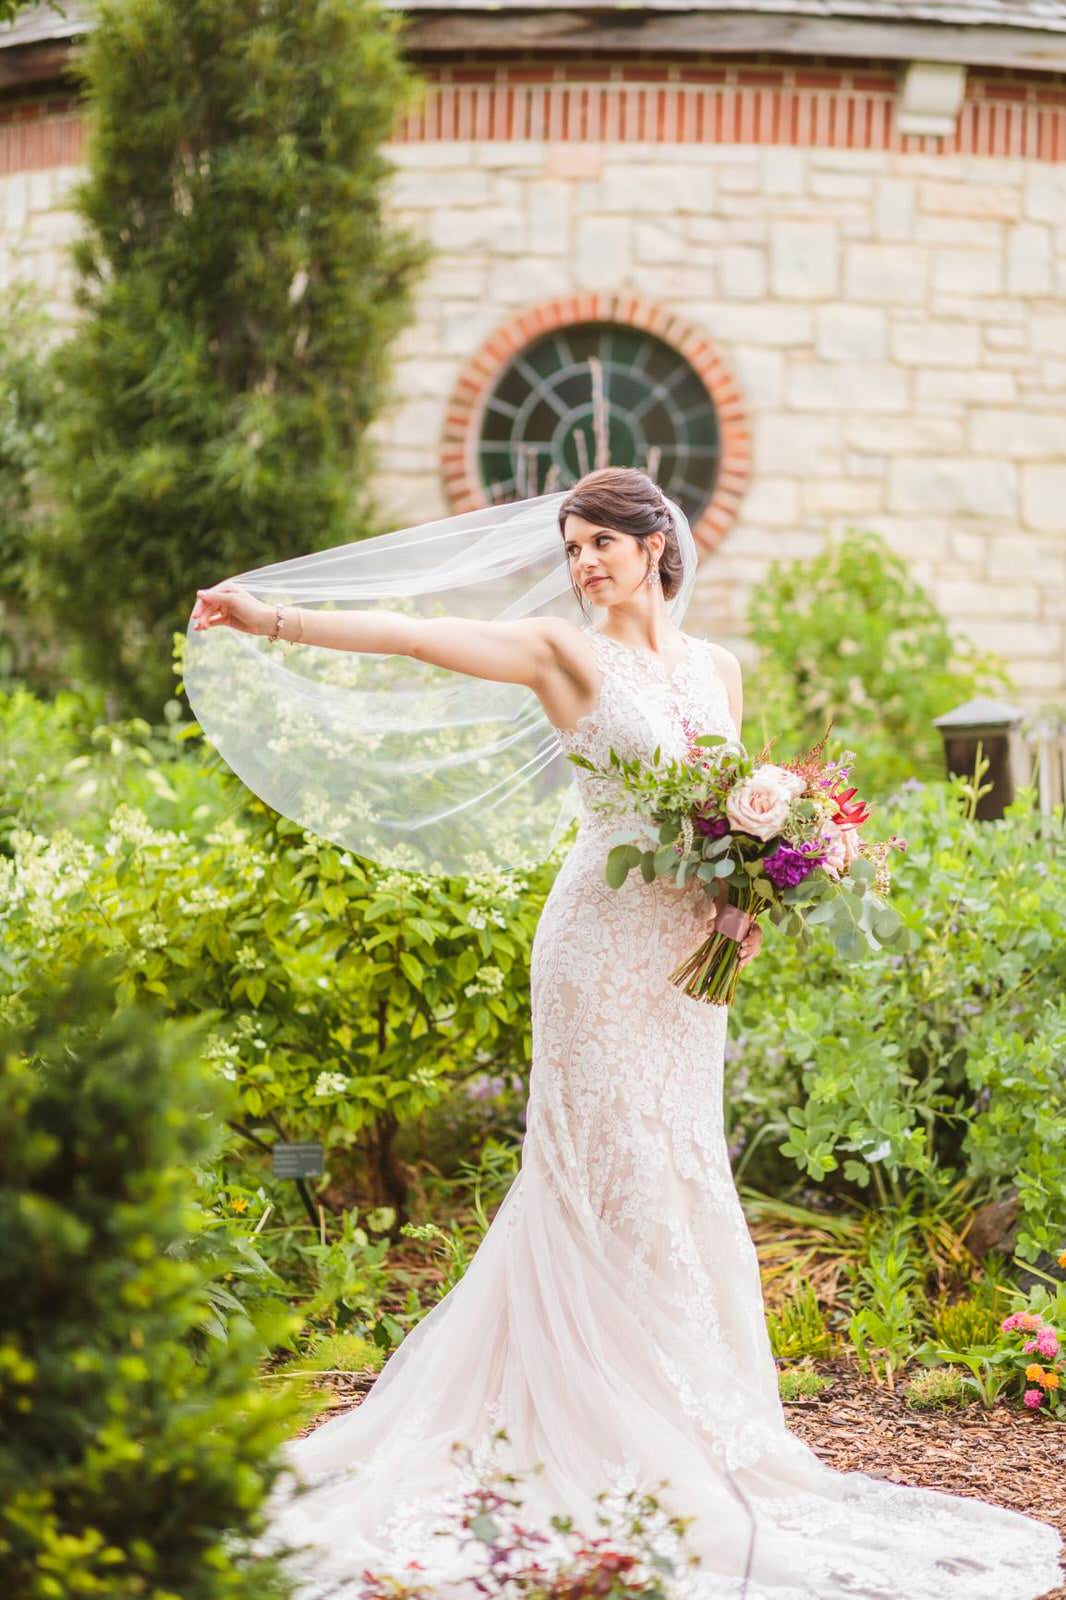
930	98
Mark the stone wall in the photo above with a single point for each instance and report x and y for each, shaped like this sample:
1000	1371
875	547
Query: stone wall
896	322
897	325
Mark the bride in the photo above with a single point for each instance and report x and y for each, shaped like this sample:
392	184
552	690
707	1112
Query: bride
610	1328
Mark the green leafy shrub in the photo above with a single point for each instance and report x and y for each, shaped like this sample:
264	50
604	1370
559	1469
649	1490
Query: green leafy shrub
850	636
345	1003
911	1071
128	1464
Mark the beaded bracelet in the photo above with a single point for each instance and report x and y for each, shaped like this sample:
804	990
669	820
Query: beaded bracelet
277	625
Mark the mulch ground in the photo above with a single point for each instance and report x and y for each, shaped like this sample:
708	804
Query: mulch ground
1001	1455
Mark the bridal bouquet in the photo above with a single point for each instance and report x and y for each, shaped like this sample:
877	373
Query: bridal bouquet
784	837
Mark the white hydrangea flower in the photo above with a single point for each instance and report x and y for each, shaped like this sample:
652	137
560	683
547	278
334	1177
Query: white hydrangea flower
330	1083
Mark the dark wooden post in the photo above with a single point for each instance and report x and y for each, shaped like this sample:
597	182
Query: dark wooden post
994	726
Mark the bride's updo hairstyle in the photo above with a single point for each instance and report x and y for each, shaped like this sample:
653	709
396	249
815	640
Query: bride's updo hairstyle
626	500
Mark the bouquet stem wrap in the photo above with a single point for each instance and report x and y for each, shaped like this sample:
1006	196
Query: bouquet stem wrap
711	972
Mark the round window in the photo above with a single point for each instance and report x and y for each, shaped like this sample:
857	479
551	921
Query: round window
598	394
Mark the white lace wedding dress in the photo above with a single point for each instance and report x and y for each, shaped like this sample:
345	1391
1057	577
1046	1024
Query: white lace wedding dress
612	1319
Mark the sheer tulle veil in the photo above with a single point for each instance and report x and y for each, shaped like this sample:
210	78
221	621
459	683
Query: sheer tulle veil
403	762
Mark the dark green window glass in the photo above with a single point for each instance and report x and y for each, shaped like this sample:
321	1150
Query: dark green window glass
593	395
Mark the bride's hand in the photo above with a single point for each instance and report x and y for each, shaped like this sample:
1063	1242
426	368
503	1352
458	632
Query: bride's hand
751	944
227	605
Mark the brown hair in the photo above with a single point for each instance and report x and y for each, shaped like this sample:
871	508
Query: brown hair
626	499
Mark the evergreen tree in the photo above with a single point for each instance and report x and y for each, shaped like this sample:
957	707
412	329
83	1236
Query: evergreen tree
241	283
128	1466
27	405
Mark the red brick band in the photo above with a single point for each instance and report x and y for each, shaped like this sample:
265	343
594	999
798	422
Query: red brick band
728	106
462	425
1002	116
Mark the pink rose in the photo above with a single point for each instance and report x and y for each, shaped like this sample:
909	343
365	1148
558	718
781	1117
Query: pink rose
760	804
791	782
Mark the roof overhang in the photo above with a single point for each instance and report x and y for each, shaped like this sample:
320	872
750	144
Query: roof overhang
1026	35
667	27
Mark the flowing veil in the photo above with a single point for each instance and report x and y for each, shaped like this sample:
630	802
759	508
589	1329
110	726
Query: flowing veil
399	760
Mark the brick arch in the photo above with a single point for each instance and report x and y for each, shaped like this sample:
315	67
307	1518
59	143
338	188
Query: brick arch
463	419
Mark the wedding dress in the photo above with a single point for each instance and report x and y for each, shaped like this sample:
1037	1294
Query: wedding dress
611	1321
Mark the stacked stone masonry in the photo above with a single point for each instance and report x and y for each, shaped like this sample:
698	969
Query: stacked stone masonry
894	320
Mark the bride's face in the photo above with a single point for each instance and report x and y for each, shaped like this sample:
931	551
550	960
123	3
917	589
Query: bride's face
606	565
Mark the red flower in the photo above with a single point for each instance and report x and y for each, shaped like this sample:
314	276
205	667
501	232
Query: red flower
850	813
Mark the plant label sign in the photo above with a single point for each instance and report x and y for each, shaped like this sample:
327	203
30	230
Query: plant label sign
298	1160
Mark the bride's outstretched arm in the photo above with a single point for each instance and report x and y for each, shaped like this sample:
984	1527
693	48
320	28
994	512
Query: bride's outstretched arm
521	651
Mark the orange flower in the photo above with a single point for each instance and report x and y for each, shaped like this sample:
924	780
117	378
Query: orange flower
1050	1380
238	1203
1035	1373
1062	1258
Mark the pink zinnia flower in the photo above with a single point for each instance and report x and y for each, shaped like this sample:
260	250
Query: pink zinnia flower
1033	1398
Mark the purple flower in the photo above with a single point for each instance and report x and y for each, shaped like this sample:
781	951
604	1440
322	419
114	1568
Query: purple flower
787	866
713	827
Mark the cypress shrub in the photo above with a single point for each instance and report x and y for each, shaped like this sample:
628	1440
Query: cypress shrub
130	1465
240	285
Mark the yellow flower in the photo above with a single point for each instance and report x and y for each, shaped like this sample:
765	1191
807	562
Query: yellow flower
1034	1373
239	1203
1050	1380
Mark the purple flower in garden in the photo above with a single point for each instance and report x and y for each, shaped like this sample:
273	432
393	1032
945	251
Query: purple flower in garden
787	866
713	827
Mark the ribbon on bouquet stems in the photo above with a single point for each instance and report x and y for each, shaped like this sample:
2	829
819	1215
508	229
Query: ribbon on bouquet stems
711	972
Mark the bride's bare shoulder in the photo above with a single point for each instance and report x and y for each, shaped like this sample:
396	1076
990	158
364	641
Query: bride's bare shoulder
724	660
728	669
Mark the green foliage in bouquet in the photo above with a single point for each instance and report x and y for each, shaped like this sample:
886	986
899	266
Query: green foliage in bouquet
128	1466
240	285
917	1068
849	636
